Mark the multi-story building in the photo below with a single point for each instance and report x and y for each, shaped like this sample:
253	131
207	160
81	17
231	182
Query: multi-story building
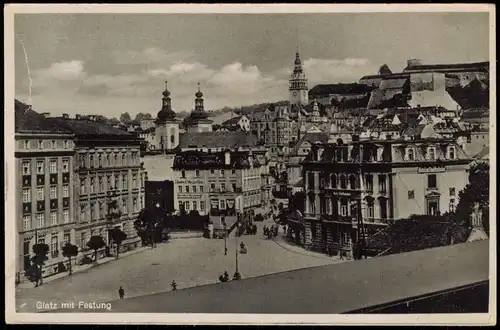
108	179
355	189
44	155
219	183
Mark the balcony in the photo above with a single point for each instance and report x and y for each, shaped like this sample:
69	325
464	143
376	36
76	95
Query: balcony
337	218
377	221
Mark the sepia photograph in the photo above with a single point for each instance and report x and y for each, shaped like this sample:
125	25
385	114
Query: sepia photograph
250	164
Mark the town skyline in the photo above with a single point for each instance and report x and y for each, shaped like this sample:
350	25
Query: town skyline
76	67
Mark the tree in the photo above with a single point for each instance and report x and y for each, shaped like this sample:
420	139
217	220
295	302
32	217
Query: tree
296	202
194	213
69	251
95	243
476	191
125	118
34	273
140	117
118	236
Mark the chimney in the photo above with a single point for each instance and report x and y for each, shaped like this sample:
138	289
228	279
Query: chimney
65	116
78	116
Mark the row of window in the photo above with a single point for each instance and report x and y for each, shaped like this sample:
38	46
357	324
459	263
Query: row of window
187	205
40	220
198	174
411	193
343	182
113	181
28	144
40	166
430	153
99	210
40	193
107	159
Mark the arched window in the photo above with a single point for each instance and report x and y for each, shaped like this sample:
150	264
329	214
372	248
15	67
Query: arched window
342	182
172	138
352	182
333	181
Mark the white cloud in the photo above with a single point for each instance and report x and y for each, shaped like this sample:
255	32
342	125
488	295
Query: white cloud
231	85
65	71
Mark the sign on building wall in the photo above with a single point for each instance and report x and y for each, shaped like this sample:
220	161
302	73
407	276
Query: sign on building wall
431	169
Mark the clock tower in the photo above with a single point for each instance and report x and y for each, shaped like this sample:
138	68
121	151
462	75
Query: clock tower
298	84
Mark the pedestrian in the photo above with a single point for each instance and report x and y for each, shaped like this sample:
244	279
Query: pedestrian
121	292
284	229
341	255
174	286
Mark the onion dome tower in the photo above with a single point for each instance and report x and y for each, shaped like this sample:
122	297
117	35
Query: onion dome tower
167	127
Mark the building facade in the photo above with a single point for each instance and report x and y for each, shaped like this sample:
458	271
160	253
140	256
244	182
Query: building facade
44	156
220	183
108	179
353	190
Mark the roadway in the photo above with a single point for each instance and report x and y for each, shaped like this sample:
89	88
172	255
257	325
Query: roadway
190	262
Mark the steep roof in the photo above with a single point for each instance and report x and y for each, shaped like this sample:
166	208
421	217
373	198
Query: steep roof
90	128
218	139
232	121
27	120
309	137
342	89
483	153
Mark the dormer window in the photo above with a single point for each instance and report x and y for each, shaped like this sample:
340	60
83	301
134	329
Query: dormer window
410	154
431	153
451	152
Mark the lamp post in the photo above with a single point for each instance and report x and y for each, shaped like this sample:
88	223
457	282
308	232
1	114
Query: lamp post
225	235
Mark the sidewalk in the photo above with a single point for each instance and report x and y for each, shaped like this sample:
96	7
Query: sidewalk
82	268
282	241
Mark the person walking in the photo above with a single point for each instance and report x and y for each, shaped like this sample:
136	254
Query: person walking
174	285
121	292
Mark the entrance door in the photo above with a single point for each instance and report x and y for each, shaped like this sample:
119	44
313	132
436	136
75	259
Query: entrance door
433	206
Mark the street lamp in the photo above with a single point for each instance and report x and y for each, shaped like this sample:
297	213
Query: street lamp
225	234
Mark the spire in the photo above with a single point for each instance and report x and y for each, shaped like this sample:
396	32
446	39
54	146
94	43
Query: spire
199	107
166	111
298	62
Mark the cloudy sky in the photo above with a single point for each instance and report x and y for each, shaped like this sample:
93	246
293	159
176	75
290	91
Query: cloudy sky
108	64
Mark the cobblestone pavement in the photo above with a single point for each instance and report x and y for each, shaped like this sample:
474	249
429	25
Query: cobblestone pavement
190	262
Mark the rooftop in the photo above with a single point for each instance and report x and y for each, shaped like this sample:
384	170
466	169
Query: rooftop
232	121
84	127
218	139
27	120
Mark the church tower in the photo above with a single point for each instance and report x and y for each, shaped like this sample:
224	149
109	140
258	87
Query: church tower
167	127
198	121
298	84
